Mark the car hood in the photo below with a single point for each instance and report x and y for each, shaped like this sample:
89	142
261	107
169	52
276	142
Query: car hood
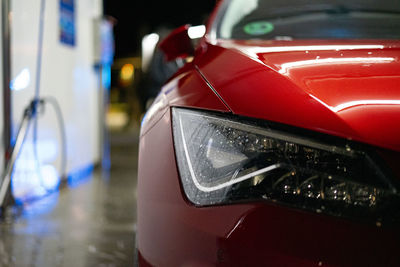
345	88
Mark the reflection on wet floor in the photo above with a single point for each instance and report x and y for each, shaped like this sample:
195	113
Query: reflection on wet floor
89	224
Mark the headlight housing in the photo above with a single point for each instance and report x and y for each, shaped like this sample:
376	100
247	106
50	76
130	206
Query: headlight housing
223	159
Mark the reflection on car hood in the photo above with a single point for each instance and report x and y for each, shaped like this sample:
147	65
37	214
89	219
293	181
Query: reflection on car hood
341	87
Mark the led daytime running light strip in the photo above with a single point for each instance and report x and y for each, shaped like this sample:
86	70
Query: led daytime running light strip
223	185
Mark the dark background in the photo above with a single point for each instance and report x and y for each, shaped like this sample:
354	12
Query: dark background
136	18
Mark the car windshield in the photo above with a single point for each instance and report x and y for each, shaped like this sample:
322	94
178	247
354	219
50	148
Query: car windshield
309	19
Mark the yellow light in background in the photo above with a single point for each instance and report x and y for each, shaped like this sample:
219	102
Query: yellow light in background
127	72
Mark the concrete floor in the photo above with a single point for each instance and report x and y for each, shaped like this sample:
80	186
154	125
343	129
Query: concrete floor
89	224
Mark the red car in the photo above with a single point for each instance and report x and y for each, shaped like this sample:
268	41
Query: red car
278	142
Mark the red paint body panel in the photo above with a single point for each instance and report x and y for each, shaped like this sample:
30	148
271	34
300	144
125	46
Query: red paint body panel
355	97
346	88
187	88
172	232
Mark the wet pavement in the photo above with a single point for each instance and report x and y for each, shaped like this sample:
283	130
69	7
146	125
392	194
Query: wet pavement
91	223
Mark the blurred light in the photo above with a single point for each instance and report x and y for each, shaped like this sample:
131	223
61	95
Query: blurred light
107	42
106	76
21	81
196	32
127	72
34	177
49	175
116	119
26	180
151	38
149	43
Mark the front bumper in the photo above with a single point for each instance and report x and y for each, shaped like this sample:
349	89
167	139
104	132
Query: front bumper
173	232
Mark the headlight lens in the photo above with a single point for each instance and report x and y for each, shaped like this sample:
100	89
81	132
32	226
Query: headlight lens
223	160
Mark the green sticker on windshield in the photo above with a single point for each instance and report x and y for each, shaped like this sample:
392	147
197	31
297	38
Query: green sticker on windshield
258	28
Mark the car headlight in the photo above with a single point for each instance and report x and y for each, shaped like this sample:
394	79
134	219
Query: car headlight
225	159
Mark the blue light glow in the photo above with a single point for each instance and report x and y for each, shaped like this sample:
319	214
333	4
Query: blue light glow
106	76
80	176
